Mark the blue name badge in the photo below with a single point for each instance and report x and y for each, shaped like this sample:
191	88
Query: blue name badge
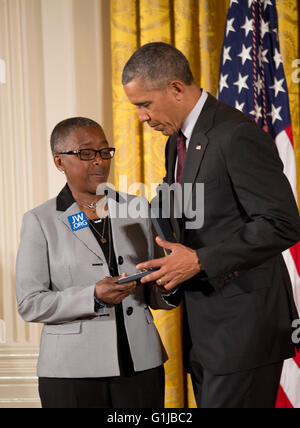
78	221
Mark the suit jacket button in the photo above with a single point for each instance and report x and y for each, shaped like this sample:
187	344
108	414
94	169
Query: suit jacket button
120	260
129	311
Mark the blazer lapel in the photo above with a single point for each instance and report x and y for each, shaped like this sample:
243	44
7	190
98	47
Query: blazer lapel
84	235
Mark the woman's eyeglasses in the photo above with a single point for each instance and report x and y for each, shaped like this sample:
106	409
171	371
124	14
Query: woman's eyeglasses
90	154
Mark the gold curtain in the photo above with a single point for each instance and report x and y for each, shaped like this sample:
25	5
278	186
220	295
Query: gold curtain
196	27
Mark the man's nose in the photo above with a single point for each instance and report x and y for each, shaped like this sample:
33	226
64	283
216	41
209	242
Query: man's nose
142	115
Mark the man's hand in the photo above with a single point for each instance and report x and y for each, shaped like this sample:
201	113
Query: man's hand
109	291
175	269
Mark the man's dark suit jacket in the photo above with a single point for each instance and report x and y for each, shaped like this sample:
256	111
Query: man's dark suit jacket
239	312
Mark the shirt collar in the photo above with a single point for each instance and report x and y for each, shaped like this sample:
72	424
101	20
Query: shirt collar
65	199
190	122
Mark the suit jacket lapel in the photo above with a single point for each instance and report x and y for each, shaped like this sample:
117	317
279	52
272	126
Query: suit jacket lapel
172	156
194	157
199	141
170	179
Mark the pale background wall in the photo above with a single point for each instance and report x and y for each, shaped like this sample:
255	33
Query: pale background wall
54	63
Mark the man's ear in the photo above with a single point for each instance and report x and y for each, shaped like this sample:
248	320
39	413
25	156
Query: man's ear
178	89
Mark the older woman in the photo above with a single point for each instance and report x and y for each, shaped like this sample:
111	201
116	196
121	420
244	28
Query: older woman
99	345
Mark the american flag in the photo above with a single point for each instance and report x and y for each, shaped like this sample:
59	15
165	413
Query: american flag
252	79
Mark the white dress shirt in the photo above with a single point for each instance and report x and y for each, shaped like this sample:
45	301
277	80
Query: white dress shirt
190	122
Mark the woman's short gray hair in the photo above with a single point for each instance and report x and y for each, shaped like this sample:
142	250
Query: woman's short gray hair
63	129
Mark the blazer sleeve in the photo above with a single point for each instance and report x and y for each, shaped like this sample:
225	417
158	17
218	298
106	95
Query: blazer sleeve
36	301
262	189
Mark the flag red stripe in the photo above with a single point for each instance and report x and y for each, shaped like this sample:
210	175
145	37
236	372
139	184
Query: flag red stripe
289	132
295	252
282	400
297	358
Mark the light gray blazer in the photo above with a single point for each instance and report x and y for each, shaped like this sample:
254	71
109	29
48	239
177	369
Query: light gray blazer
56	273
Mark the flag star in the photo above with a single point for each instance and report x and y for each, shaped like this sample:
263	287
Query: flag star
226	55
257	114
223	82
275	114
278	86
239	106
277	58
267	3
230	26
265	28
276	33
245	54
263	57
259	84
248	26
241	82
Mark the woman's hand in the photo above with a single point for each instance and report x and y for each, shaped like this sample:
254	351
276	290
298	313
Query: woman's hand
109	291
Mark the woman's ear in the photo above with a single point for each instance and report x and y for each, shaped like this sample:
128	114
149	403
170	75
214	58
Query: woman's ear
58	163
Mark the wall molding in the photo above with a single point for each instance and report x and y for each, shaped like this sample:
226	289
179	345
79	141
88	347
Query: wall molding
18	380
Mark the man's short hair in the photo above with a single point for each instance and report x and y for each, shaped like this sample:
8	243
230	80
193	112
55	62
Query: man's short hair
63	129
158	63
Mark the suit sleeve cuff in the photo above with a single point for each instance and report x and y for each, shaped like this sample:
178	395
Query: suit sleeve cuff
209	273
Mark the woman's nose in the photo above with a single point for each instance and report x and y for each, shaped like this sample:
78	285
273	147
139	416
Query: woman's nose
98	159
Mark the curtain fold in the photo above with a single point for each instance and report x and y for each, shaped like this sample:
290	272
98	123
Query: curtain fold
196	27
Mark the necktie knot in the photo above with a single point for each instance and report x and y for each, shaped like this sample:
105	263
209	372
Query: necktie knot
181	153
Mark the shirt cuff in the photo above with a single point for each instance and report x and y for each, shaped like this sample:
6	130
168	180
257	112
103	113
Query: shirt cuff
170	294
99	304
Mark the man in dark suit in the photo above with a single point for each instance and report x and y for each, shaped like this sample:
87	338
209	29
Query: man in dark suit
238	300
